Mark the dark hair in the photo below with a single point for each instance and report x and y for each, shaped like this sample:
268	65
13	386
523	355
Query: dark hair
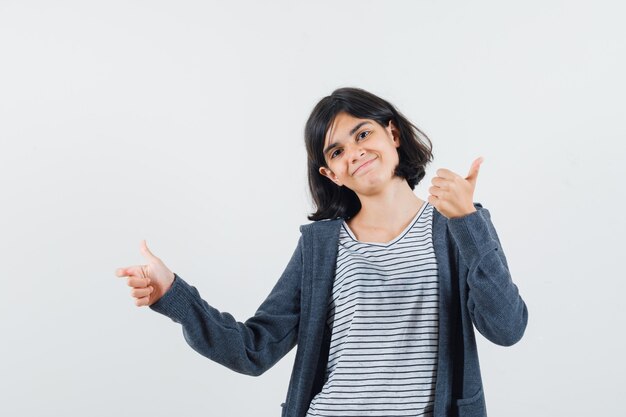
415	150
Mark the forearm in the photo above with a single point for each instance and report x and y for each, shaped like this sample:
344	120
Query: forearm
493	300
251	347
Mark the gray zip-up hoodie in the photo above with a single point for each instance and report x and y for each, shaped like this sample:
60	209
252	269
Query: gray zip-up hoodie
475	289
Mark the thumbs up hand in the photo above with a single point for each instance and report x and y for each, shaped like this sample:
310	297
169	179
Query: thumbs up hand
453	195
149	282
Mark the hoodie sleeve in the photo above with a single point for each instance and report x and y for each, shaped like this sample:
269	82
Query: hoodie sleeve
495	305
251	347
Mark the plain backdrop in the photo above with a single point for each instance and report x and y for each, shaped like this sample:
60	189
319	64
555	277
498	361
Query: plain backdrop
182	123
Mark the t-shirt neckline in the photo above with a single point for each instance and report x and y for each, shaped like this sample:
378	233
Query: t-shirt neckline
394	240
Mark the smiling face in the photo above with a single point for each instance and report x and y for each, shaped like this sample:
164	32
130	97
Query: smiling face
360	153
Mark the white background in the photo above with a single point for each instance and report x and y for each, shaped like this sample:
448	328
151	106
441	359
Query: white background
181	123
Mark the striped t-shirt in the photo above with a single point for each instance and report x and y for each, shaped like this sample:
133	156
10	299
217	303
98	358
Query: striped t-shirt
384	318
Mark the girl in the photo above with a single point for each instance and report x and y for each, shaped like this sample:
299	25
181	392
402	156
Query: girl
383	290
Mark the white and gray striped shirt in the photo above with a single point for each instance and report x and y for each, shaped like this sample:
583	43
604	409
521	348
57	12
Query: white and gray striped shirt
384	318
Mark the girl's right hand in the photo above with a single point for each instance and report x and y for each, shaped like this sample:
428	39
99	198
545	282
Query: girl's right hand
148	282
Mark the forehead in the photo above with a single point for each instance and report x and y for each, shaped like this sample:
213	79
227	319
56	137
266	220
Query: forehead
343	125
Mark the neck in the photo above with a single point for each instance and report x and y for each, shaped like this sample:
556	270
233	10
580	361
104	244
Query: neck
388	208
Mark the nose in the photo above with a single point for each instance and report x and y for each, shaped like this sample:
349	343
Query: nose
355	152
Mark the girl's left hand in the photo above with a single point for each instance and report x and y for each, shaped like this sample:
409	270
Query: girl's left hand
451	194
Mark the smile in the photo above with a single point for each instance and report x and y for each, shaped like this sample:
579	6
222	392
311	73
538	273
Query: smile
364	165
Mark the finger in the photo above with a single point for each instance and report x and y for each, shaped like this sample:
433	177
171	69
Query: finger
436	191
446	174
144	301
133	271
129	271
141	292
473	173
138	282
440	182
434	201
146	252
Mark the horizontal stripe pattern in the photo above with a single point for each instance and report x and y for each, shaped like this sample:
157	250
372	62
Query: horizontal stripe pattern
384	318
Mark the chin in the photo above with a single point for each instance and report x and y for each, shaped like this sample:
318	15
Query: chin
372	187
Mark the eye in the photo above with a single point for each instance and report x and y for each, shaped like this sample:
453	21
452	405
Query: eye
363	134
334	153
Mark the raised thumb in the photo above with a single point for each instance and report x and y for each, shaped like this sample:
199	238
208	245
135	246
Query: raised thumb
145	251
473	173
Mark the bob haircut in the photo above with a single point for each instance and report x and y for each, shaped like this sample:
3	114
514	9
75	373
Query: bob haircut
415	150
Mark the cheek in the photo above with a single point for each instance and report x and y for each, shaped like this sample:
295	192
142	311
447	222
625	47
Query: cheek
392	156
336	166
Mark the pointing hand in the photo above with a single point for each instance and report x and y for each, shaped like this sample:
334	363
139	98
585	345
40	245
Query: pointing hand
149	282
451	194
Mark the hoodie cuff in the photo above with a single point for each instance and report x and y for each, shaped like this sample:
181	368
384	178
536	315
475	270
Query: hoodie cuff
472	236
176	302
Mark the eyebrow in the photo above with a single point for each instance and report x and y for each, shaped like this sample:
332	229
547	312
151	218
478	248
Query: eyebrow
335	144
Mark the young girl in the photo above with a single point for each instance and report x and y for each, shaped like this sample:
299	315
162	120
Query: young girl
383	290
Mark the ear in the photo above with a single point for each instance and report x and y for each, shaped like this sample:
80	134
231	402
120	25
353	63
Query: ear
330	175
394	132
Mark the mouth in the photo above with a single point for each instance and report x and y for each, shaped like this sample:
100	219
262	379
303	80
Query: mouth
363	165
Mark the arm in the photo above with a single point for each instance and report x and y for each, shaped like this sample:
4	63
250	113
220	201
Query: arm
496	308
252	347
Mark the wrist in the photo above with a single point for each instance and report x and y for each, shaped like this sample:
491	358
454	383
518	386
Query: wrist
466	213
170	282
